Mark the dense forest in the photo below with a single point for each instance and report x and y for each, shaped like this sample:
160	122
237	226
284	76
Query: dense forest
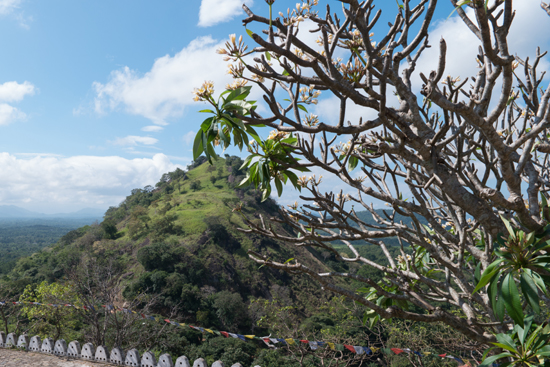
23	237
175	250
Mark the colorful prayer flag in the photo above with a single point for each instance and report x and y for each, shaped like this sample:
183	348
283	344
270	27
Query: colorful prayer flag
350	348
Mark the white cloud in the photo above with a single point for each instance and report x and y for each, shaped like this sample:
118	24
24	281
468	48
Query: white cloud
462	45
54	184
164	91
189	137
218	11
152	128
12	8
7	6
132	140
15	92
9	114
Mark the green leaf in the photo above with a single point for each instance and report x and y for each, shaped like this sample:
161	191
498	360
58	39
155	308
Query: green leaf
488	361
289	260
530	291
504	346
250	33
538	281
523	331
250	131
534	335
544	351
198	148
236	95
268	56
477	272
512	302
529	239
279	186
373	321
496	299
352	163
211	153
244	181
293	178
266	193
488	274
302	107
507	340
509	227
207	124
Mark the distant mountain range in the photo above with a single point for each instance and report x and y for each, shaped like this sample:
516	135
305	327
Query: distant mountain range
12	211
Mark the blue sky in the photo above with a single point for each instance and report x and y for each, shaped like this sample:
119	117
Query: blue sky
95	96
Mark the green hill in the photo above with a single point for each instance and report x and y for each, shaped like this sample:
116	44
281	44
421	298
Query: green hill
175	250
179	241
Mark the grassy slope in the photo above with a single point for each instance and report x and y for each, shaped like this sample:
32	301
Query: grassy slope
226	267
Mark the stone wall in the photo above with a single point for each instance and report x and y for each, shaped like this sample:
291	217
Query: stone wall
100	353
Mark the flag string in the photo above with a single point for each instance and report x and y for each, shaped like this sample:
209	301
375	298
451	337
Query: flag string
313	345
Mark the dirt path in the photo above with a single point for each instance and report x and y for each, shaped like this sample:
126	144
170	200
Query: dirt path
15	358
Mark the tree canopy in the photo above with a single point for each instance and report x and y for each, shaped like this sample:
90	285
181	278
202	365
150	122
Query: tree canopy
464	158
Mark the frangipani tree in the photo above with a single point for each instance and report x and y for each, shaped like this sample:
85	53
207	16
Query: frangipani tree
471	154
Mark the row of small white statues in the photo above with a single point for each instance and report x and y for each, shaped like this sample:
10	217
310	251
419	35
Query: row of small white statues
99	354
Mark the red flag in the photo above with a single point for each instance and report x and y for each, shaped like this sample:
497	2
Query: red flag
397	350
168	321
225	333
305	341
443	355
350	348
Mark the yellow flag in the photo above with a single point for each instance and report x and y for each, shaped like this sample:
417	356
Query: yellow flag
374	350
289	341
210	331
250	336
331	345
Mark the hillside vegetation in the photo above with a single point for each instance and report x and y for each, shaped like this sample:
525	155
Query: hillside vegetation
179	241
175	250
